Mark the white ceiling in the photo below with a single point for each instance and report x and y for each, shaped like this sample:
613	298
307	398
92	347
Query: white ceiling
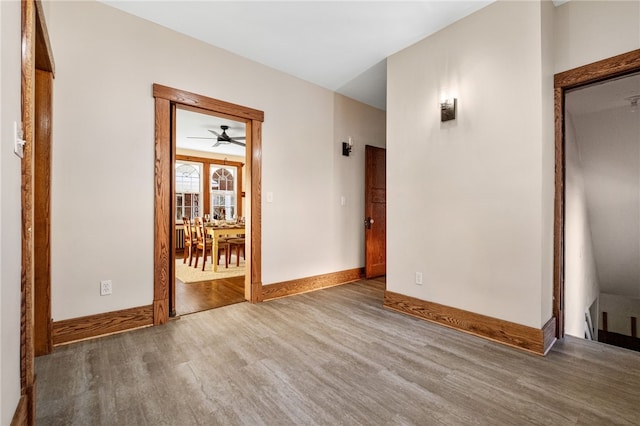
339	45
191	126
603	96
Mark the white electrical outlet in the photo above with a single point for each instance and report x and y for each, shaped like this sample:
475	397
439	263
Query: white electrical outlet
105	287
419	278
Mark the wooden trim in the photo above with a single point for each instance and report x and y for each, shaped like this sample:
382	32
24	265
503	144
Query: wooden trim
27	88
91	326
558	225
209	160
254	187
598	71
42	213
163	249
164	150
20	416
508	333
304	285
191	99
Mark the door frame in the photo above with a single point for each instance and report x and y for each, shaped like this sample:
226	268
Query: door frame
36	55
605	69
166	100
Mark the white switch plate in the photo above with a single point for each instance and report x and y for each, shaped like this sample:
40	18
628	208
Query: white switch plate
105	287
18	141
419	278
343	200
269	197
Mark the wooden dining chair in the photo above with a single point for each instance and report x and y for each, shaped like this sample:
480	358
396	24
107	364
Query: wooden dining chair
236	244
205	245
188	240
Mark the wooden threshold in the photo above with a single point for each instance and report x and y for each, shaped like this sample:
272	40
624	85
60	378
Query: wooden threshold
91	326
537	341
304	285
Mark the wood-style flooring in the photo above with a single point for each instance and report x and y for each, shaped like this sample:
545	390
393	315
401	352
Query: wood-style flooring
196	297
330	357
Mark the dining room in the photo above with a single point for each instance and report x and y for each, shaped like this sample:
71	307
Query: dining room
209	212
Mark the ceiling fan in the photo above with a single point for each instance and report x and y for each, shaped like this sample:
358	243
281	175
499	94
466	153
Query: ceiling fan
222	138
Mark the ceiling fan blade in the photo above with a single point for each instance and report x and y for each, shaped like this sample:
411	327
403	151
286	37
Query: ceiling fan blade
239	137
237	142
214	132
197	137
216	144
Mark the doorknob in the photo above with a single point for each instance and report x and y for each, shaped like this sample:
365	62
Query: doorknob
368	222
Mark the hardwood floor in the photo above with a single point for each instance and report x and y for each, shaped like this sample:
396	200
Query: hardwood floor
333	356
196	297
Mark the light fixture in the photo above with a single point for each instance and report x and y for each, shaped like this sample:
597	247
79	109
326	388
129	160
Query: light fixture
634	102
346	147
448	108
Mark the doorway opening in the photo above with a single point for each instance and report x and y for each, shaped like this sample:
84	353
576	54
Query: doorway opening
167	102
209	179
612	68
602	211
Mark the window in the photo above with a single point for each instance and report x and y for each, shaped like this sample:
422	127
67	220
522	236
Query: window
223	192
188	190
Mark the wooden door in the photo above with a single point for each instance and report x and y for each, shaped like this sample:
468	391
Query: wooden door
375	212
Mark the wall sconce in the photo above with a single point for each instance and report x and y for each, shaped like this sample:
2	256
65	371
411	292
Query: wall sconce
448	109
346	147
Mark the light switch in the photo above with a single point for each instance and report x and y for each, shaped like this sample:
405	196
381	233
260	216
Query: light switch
269	197
18	141
343	200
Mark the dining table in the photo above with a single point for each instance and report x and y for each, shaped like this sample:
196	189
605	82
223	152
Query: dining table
216	231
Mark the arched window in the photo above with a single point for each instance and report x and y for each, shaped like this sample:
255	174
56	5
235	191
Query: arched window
223	194
188	190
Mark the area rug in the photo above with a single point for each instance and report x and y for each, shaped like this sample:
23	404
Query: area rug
188	274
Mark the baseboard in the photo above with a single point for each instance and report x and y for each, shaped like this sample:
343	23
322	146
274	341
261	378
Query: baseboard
91	326
304	285
21	416
537	341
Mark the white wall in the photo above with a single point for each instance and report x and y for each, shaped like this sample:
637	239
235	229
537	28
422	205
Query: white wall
547	194
467	202
366	126
609	145
10	240
580	272
106	63
588	31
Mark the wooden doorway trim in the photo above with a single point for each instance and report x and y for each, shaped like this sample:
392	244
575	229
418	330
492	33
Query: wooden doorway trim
166	100
598	71
36	55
